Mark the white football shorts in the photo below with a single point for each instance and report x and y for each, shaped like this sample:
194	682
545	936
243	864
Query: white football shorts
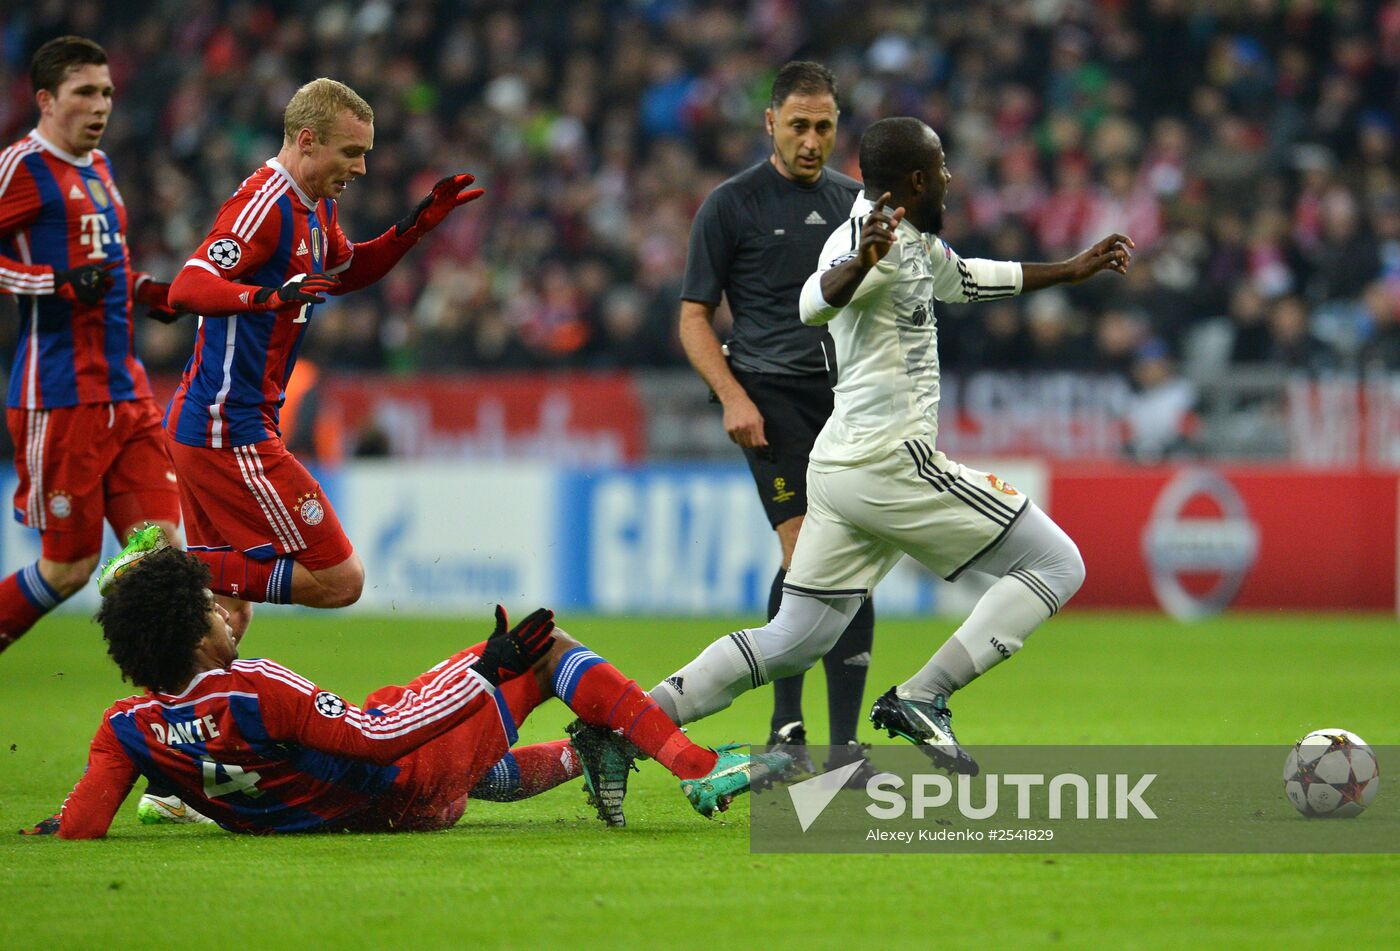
915	501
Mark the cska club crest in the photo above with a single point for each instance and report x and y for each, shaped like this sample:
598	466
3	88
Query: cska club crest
1001	485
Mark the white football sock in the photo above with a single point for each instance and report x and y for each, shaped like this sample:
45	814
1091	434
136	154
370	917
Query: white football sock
1040	569
804	629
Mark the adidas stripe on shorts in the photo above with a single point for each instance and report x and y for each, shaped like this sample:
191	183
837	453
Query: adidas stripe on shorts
914	500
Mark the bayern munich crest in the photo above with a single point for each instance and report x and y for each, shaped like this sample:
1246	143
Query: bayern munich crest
311	512
329	705
225	253
60	505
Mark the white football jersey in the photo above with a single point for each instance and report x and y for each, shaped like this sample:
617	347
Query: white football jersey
887	339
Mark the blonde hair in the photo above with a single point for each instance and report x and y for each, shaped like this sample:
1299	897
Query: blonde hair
318	104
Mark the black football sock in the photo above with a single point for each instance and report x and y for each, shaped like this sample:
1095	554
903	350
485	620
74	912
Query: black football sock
158	789
846	666
787	692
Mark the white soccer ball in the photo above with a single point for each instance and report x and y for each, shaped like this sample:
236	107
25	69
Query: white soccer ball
1331	773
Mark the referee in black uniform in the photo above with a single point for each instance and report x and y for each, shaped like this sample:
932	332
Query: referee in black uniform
755	240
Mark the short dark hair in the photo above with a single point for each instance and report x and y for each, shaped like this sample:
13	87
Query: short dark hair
892	148
155	616
803	78
52	61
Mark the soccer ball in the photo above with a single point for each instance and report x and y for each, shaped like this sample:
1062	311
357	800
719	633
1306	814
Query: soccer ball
1331	773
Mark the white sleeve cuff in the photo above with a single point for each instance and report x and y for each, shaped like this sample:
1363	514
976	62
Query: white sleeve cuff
343	264
196	262
993	279
813	306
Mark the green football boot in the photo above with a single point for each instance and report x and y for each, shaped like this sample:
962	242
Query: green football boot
928	725
168	810
143	541
732	776
606	759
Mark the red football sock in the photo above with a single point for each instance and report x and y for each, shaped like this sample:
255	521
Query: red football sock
238	576
546	765
600	694
529	771
24	598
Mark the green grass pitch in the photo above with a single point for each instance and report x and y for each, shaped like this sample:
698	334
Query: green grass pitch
545	873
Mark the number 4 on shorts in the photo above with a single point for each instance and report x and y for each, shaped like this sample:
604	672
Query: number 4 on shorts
221	779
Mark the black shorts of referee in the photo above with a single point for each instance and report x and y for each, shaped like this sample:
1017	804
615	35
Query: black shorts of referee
794	408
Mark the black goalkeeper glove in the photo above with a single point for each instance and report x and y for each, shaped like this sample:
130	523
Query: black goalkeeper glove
84	285
48	827
165	315
511	653
156	296
302	289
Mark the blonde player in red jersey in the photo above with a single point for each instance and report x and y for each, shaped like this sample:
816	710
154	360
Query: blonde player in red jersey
253	514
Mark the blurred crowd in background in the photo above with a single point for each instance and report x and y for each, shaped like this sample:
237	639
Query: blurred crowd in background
1249	147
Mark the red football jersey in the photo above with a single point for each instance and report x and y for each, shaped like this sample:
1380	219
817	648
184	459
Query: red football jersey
258	748
266	234
59	211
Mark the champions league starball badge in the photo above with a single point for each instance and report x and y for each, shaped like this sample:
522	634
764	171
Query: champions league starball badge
329	705
1199	544
225	253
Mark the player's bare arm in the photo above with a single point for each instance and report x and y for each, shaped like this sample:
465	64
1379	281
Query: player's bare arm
876	238
742	420
1113	253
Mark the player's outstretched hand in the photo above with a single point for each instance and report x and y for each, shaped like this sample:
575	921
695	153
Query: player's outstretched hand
48	826
510	653
877	236
446	195
1113	253
87	284
156	296
301	289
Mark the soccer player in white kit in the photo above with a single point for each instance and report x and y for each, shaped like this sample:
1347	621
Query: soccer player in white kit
878	486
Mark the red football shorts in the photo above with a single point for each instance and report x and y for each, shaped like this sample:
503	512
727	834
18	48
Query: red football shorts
431	789
258	500
78	465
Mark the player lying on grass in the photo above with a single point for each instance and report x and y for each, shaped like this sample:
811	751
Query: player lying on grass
259	748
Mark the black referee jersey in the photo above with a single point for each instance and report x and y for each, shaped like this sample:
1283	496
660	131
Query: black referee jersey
757	239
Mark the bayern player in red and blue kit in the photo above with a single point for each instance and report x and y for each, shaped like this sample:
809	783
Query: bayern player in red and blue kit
253	514
259	748
88	443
